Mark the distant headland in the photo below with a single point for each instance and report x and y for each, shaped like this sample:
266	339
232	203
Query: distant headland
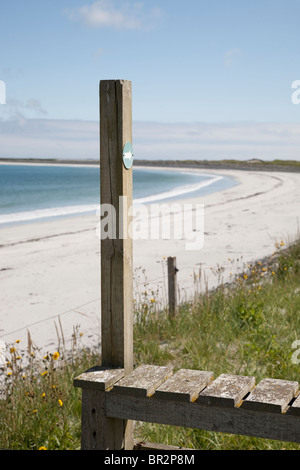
248	165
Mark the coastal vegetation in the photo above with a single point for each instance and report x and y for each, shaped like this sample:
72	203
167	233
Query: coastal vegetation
227	164
249	326
252	164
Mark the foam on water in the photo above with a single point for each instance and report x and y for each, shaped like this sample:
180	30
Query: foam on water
181	190
35	193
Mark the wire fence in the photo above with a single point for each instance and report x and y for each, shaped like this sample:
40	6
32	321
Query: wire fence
139	286
143	289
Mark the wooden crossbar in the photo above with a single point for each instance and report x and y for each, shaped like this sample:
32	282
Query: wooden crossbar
189	398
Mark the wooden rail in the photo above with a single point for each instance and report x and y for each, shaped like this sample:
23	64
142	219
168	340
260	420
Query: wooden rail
191	398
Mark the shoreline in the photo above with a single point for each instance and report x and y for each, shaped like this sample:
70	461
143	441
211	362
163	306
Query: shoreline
242	165
50	270
177	193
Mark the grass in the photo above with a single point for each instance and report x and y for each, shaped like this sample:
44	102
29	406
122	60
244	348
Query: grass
248	327
42	409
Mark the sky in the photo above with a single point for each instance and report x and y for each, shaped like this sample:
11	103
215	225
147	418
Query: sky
211	79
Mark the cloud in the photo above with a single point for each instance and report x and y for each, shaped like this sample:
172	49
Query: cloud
70	139
230	55
18	110
46	138
216	141
104	13
35	105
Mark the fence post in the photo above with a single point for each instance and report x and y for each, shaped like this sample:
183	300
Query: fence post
172	286
98	431
116	254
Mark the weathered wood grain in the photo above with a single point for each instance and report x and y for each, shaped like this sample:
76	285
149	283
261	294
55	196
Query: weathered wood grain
99	432
131	398
233	420
272	395
227	390
143	381
116	245
184	385
98	378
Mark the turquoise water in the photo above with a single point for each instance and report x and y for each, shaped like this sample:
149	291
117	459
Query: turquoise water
34	192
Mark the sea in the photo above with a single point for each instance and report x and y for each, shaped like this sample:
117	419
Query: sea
32	192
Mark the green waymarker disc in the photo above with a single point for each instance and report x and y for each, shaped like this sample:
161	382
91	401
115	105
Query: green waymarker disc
128	155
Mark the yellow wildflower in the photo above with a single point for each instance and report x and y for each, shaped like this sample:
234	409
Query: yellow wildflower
42	448
44	373
56	356
60	402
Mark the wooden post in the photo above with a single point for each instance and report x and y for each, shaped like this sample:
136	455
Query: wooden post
116	253
98	431
172	286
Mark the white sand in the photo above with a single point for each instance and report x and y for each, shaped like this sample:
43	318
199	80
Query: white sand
51	270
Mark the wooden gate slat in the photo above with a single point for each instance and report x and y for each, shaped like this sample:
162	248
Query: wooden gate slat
99	378
227	390
184	385
271	395
143	381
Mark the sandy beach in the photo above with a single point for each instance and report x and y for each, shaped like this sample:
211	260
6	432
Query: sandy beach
50	271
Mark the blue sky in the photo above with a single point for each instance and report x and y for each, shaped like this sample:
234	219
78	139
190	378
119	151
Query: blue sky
211	79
